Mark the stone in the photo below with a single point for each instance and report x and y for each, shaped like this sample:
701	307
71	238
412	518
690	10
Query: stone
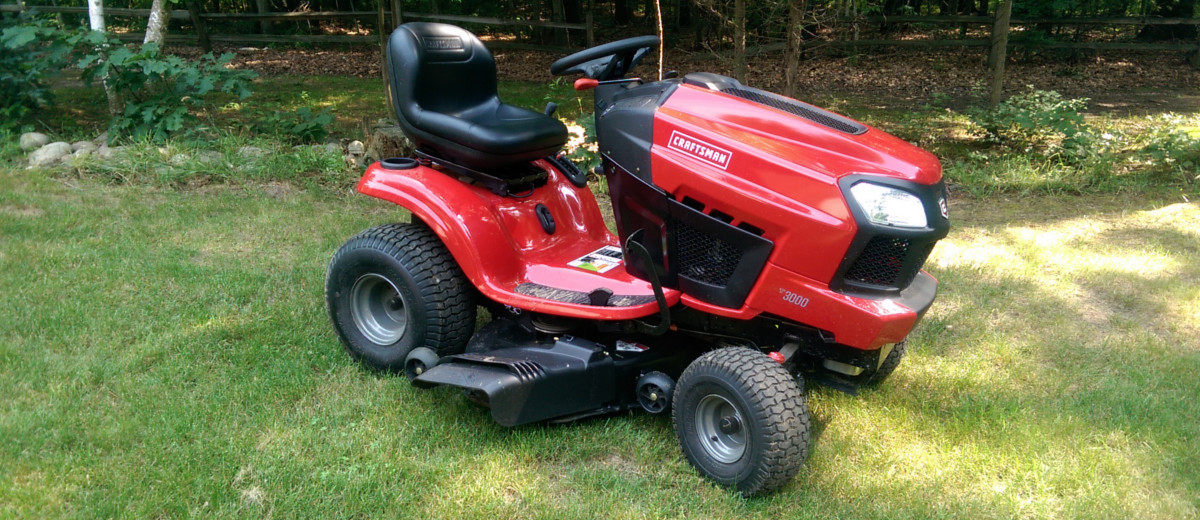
209	157
34	140
355	156
81	145
74	159
333	147
50	154
179	159
250	152
101	139
387	142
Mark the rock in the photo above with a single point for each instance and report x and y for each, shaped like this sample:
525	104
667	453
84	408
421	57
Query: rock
355	156
105	152
49	154
74	159
179	159
278	190
333	147
251	152
209	157
386	142
81	145
101	139
34	140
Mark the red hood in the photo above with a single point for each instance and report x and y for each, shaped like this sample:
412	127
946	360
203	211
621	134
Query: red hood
803	145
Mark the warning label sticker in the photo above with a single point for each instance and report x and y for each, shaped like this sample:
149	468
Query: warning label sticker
601	260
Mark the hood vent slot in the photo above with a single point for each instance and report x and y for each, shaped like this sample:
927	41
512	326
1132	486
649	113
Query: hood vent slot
804	110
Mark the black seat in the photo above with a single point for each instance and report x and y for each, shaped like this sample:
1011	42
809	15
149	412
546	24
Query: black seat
444	87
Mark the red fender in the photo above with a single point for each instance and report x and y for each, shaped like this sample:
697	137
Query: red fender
499	242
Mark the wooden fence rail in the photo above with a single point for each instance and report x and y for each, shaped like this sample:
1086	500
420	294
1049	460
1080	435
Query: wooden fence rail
185	15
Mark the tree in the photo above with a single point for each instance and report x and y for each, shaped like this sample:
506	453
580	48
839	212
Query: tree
156	26
96	22
999	48
795	44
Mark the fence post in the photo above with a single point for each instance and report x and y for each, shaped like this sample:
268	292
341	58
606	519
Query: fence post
197	16
397	13
999	48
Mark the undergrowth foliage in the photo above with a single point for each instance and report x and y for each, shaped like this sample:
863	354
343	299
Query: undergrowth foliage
302	125
31	51
158	90
1041	122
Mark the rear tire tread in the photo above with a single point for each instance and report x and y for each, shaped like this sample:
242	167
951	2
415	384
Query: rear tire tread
440	281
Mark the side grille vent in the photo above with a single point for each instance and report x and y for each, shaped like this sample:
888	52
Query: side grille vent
809	112
889	262
705	258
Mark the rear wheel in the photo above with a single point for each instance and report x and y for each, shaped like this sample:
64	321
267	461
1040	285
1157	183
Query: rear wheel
741	420
394	288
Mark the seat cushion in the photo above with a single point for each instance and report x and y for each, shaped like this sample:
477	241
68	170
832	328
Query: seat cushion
495	128
444	89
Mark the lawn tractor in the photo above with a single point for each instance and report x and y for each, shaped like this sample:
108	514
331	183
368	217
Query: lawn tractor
760	242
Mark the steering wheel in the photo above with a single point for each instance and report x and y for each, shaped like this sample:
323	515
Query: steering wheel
605	62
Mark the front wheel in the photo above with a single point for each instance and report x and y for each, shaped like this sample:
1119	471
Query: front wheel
394	288
741	420
889	365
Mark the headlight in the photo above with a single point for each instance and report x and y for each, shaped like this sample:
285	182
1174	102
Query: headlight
889	206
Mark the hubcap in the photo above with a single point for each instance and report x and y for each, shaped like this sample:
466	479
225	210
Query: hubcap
719	424
378	309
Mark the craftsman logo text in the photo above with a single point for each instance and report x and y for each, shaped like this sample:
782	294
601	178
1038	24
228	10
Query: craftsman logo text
699	149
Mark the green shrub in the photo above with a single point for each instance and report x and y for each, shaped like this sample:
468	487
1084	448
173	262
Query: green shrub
31	51
581	147
1170	146
1041	122
300	126
157	90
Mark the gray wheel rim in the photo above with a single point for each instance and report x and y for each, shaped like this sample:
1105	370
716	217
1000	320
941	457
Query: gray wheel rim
724	442
378	309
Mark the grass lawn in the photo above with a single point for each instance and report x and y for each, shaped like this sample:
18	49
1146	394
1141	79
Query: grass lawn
164	352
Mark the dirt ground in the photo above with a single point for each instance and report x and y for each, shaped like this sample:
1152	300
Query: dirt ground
1118	81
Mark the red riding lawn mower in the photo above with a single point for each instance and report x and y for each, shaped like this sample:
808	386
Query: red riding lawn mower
760	241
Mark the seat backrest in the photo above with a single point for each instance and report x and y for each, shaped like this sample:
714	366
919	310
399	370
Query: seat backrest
438	67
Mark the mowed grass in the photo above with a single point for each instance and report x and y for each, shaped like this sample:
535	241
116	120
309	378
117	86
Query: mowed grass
165	352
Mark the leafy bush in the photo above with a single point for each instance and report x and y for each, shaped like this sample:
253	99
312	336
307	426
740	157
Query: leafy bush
581	146
31	50
300	126
157	90
1168	143
1040	122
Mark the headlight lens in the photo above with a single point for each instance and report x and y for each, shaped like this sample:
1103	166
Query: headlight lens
889	206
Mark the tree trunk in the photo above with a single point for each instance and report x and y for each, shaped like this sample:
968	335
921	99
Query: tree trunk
558	14
739	40
156	26
194	9
999	48
264	6
621	11
96	15
662	45
96	21
795	45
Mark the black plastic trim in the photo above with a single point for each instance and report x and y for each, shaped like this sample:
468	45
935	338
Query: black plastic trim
752	249
937	226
